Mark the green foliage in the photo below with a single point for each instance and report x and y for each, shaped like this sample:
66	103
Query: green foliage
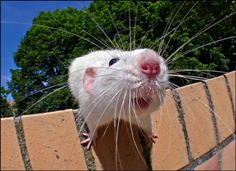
6	108
56	38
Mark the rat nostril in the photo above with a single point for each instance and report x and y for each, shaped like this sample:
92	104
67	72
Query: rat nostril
150	69
145	67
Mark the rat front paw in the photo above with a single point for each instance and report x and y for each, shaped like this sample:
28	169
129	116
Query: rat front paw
89	141
151	137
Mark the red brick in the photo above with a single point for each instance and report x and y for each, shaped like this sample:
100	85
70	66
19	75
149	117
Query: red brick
52	141
198	119
10	151
223	106
169	152
231	78
210	164
228	157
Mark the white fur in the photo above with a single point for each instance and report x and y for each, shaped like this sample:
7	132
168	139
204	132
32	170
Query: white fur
120	77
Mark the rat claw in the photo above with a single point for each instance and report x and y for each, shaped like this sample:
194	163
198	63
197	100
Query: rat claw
89	141
151	137
89	145
85	134
85	141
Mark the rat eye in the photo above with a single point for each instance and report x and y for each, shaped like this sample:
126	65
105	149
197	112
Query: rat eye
112	61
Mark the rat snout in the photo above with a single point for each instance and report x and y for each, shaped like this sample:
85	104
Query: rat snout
150	68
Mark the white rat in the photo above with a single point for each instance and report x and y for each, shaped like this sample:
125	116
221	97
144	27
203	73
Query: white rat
114	84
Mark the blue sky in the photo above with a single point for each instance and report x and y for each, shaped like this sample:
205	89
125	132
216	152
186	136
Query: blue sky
11	34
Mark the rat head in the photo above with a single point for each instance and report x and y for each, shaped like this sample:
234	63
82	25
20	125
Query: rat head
118	81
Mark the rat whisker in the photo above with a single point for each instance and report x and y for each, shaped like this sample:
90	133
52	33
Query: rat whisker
130	33
53	28
95	101
133	105
172	86
41	91
100	41
165	33
197	78
105	131
93	105
102	114
158	39
190	113
118	124
186	15
117	45
194	70
115	113
169	25
101	29
208	73
195	36
207	44
42	99
131	129
135	23
184	96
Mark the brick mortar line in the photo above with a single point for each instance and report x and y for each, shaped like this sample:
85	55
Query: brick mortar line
22	143
210	153
88	155
214	121
230	95
181	115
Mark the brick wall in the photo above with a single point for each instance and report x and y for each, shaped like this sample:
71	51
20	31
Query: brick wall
195	127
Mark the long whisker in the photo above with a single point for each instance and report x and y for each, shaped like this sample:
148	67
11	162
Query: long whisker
116	29
53	28
207	44
40	91
42	99
188	77
208	73
131	129
88	114
196	35
117	130
135	23
165	30
100	41
136	115
194	70
130	38
102	114
162	53
211	110
168	27
98	25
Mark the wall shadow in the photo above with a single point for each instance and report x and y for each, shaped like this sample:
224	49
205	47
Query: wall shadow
130	156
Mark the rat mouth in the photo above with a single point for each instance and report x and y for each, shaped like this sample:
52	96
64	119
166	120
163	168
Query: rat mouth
140	102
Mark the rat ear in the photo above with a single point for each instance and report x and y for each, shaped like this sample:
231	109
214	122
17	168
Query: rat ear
89	77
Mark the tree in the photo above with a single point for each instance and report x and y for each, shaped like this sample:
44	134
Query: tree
57	37
6	108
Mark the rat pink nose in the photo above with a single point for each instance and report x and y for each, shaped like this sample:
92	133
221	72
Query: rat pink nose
150	69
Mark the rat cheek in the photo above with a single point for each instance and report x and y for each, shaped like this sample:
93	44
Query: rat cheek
89	78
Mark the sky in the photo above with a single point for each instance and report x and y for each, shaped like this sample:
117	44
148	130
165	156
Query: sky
16	19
